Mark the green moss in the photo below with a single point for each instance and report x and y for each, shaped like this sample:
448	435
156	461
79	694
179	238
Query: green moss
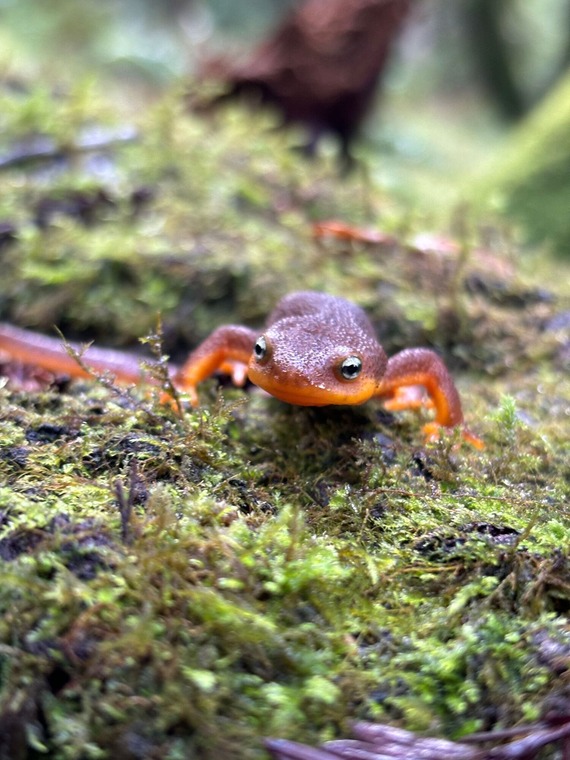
184	585
453	677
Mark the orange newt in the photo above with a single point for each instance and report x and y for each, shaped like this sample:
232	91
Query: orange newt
342	231
316	350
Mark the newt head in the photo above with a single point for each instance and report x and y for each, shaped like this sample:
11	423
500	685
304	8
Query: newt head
302	361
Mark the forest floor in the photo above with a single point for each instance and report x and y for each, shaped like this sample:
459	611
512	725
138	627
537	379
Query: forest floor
184	585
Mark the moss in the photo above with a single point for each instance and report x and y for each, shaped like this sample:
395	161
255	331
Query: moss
184	585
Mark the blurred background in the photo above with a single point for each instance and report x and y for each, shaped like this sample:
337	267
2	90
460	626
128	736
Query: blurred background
461	78
443	51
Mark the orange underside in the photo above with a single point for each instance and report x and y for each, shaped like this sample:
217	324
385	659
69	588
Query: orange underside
312	395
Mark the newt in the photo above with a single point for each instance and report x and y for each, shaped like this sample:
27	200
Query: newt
316	350
342	231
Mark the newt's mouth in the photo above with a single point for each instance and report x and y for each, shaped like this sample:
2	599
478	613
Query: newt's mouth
303	394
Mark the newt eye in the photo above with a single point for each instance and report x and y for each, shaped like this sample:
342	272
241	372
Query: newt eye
260	349
351	367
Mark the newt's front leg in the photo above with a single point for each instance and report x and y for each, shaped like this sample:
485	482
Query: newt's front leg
420	366
227	349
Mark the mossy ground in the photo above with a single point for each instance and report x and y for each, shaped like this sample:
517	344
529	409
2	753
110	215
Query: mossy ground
177	587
